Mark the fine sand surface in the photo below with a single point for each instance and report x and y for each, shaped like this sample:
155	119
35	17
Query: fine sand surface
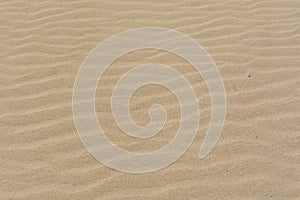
256	47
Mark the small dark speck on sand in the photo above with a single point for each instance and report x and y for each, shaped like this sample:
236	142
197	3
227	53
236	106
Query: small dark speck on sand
249	75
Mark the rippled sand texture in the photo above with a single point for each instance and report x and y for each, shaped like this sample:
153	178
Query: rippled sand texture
255	45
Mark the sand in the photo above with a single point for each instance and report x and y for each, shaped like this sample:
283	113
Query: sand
256	47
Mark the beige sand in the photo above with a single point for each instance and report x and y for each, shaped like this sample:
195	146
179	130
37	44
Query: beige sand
256	46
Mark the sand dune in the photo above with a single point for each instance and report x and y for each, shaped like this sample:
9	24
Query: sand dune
255	45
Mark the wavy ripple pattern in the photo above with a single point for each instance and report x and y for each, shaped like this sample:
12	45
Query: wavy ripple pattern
256	46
